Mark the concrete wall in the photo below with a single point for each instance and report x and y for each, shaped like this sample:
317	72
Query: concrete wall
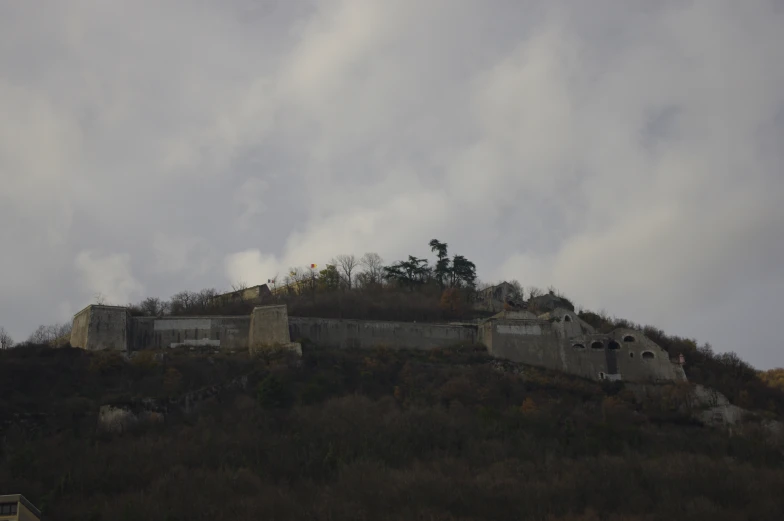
108	328
268	327
531	342
560	342
364	333
620	355
253	294
639	358
81	323
100	327
223	332
567	324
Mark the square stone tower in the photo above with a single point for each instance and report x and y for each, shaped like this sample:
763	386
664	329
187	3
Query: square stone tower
269	329
101	327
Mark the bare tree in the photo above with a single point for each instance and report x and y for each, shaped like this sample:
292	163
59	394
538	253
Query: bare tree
153	307
373	266
518	293
6	342
288	284
181	302
100	299
553	291
239	285
346	264
299	279
55	334
534	292
482	285
312	275
273	284
205	298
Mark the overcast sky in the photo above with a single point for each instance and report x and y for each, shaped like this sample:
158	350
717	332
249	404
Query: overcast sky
627	152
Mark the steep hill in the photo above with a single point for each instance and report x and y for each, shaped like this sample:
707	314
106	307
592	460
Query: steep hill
386	434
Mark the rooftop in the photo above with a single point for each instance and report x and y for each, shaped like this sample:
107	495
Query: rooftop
19	498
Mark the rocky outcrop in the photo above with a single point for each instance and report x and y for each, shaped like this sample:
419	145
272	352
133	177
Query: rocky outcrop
119	417
116	419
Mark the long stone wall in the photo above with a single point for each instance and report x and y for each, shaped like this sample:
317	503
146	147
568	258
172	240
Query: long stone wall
339	333
556	340
619	355
219	332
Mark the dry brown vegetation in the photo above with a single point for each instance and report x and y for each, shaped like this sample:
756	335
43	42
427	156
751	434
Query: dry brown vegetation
369	435
429	304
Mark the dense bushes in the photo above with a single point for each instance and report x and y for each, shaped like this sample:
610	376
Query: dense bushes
382	435
384	304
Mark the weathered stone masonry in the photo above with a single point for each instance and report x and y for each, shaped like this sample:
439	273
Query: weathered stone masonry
557	340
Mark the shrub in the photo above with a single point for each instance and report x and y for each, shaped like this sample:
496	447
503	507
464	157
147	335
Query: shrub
272	393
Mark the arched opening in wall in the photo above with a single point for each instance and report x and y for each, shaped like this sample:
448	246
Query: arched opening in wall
628	338
578	346
567	318
647	355
613	345
631	354
597	345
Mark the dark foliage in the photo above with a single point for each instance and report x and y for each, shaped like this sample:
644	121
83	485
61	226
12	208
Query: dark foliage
381	435
381	304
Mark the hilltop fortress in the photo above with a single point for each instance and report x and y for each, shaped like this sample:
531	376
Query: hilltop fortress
557	340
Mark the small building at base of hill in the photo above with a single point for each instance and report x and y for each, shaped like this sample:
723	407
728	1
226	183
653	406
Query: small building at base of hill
15	507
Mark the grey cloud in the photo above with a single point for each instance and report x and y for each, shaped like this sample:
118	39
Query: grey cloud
628	154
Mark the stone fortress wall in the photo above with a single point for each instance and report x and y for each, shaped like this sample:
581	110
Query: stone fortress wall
557	340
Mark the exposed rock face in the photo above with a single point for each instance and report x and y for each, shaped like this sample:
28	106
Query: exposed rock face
117	419
713	408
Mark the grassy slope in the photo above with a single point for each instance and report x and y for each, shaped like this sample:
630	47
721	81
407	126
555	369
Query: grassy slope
369	435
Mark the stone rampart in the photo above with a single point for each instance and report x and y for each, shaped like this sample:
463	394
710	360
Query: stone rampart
557	340
269	329
219	332
620	355
343	333
101	327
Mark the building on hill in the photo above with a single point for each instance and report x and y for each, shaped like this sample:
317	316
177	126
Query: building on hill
253	295
515	314
495	298
15	507
557	340
560	340
549	302
566	323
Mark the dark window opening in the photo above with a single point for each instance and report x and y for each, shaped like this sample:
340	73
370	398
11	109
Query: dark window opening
628	338
631	355
613	345
7	509
601	376
578	346
567	318
597	345
647	355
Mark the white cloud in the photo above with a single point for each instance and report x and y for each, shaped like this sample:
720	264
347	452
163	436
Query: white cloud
629	155
108	275
251	267
188	256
